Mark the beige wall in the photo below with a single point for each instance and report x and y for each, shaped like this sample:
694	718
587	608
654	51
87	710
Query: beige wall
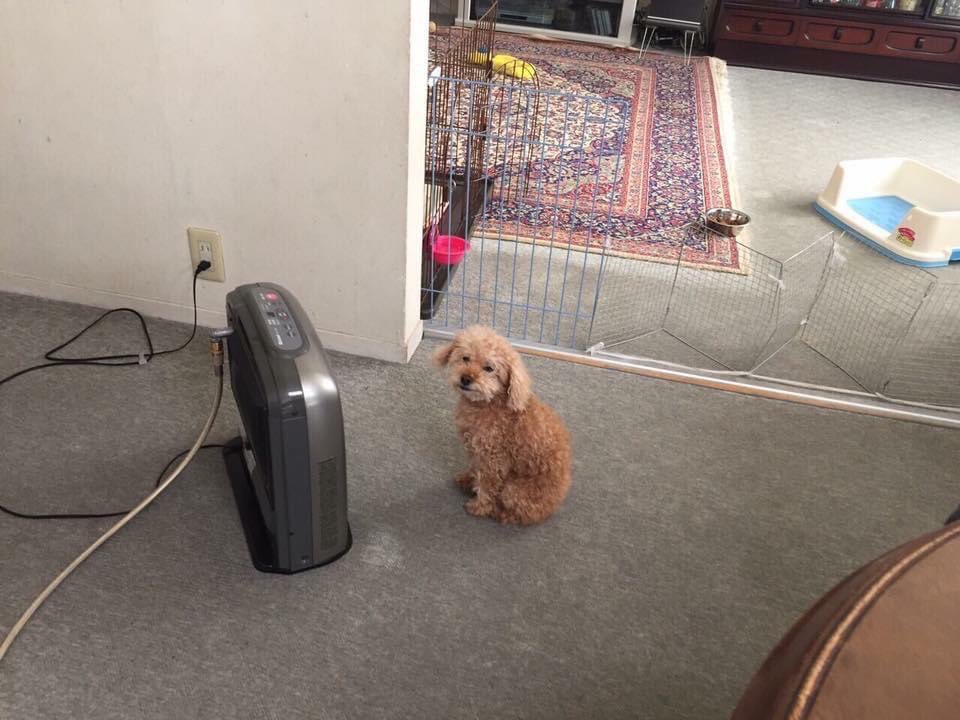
295	128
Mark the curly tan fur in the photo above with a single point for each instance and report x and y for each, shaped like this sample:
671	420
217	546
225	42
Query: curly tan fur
519	449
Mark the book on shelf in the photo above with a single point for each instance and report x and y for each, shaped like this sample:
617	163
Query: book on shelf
600	20
606	22
947	8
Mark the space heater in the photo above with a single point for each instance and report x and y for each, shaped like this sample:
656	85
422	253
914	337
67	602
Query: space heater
288	466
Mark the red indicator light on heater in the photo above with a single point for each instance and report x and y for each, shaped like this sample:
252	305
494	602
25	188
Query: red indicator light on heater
271	296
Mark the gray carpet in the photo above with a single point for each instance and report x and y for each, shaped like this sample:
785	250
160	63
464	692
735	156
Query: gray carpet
700	524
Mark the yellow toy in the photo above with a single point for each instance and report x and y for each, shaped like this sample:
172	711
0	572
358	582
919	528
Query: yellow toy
480	58
504	64
513	67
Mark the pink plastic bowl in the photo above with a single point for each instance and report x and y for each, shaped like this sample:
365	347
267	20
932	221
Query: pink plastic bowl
449	249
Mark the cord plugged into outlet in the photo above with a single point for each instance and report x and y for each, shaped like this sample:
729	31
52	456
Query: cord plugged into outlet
207	246
205	251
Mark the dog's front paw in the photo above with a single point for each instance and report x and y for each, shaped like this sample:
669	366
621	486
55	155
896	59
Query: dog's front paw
465	481
480	506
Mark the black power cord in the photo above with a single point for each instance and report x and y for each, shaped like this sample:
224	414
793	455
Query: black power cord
120	360
87	516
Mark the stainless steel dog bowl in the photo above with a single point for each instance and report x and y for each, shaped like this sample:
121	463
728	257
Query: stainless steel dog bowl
726	221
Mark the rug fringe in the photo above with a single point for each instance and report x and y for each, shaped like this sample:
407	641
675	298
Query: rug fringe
721	83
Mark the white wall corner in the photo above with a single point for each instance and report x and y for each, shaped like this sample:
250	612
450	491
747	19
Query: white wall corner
416	148
412	342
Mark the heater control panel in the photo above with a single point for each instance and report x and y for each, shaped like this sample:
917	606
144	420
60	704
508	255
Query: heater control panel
279	321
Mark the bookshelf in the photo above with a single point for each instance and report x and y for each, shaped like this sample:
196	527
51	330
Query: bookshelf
599	18
908	41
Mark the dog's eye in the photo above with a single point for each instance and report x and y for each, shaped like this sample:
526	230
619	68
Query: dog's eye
487	368
466	358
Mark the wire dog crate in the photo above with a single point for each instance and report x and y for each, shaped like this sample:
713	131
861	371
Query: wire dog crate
540	284
458	102
459	54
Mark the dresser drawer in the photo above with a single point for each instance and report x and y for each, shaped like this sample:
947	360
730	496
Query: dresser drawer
832	34
789	4
920	43
757	27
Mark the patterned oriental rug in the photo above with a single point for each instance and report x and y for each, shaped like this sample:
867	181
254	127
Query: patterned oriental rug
675	163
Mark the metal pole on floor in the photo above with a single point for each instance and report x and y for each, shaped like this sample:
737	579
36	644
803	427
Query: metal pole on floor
743	386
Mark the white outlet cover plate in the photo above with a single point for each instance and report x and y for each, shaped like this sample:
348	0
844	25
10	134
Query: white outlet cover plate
197	236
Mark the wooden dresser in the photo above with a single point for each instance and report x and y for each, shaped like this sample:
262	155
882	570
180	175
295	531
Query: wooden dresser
898	40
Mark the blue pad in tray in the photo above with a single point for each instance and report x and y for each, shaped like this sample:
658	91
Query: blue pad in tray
884	210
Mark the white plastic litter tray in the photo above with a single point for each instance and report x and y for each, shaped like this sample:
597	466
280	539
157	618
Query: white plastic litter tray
904	209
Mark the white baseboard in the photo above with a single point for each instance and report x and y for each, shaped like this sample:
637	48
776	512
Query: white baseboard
411	344
370	347
54	290
166	310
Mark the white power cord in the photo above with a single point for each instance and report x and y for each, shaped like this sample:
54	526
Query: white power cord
216	353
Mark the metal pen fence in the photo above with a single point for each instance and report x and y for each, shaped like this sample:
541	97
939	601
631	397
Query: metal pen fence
834	316
533	189
523	273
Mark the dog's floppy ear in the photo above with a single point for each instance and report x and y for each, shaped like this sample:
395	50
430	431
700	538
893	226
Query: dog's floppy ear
518	384
442	355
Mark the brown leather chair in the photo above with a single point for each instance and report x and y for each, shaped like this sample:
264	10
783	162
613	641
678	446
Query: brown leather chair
883	644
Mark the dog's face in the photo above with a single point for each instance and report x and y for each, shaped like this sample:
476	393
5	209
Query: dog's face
482	367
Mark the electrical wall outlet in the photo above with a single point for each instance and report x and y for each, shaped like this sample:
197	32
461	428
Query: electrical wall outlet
207	245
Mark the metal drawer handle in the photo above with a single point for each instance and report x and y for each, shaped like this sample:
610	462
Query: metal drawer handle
838	34
757	26
921	41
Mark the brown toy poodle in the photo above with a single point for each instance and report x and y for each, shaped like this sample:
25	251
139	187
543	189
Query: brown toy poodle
519	449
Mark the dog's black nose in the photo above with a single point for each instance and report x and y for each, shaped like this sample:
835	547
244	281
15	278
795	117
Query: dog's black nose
465	381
